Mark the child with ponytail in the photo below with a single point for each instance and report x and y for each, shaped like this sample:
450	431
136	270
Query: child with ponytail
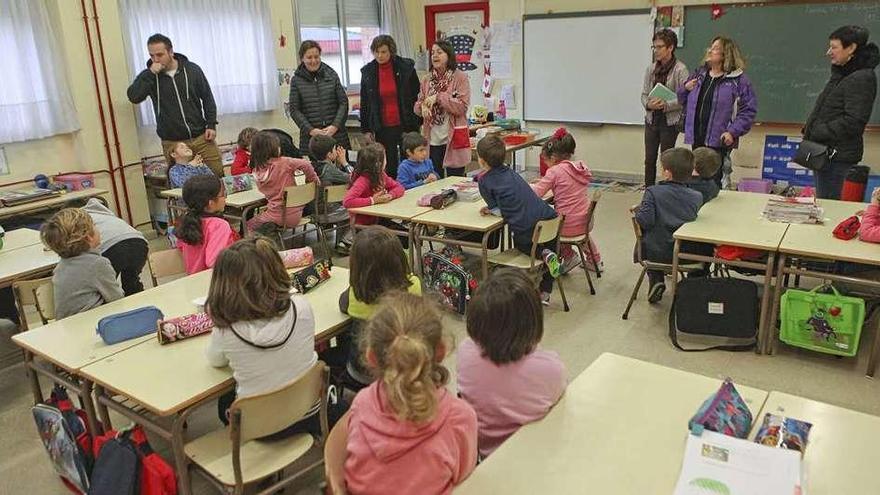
570	181
405	433
203	232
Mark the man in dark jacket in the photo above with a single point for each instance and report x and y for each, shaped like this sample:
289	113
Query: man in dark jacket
664	208
182	101
844	107
389	88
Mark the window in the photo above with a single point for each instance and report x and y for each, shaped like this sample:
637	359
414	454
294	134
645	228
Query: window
344	29
231	40
35	101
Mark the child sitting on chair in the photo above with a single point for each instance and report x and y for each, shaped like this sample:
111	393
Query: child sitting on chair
241	164
185	165
706	163
509	195
328	160
83	279
417	169
664	208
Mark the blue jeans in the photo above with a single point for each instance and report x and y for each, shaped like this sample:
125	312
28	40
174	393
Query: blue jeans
829	180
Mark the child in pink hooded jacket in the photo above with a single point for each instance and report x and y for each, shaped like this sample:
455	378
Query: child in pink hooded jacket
870	229
405	433
569	180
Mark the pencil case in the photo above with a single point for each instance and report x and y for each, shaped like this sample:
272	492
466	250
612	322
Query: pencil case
129	325
184	327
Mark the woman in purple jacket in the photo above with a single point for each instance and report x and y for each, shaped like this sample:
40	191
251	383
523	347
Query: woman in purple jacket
720	104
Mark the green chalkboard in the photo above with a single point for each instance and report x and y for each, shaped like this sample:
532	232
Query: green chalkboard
784	45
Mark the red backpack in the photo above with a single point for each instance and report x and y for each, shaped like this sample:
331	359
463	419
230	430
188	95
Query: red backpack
156	477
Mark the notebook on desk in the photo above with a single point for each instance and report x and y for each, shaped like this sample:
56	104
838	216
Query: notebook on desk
21	196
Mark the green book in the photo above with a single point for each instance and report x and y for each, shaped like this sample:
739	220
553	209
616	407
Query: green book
664	93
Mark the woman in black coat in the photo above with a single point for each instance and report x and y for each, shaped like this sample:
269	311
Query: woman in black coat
318	103
843	109
389	87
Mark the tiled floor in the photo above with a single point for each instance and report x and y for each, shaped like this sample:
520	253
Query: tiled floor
592	327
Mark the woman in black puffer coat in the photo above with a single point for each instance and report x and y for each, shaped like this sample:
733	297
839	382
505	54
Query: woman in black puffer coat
318	103
843	109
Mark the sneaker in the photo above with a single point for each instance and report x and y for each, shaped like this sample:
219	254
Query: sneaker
656	292
551	261
545	298
569	264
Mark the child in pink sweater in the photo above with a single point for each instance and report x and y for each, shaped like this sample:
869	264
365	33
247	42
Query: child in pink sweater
274	173
370	184
569	180
203	232
405	433
502	373
870	229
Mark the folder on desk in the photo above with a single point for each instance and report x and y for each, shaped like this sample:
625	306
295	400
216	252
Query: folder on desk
21	196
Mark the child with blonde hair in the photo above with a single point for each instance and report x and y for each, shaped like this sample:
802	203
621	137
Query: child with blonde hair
570	182
83	279
502	373
405	433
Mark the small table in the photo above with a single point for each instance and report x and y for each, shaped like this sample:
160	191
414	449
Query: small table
26	261
50	203
244	201
19	238
841	454
734	218
818	243
620	428
168	380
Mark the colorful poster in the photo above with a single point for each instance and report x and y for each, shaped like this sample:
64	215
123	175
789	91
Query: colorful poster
779	151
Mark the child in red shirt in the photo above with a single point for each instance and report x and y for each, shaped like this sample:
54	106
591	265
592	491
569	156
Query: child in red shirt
242	160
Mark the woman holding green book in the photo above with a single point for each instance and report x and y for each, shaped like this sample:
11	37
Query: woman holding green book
662	109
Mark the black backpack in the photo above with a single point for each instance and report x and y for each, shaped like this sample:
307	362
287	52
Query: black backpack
722	313
117	468
287	147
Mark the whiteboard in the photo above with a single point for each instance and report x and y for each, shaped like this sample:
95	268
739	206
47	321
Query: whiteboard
588	67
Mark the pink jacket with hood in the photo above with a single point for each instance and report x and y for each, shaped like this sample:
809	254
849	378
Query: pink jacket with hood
569	182
387	455
870	229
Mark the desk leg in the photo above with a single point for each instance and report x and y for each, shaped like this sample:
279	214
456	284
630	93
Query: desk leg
33	377
181	463
485	254
88	404
770	335
417	246
102	411
875	354
764	318
675	251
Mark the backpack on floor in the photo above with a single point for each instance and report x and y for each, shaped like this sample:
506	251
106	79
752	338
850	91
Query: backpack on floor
65	434
115	469
720	313
445	274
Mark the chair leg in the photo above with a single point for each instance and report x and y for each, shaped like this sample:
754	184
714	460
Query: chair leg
322	239
562	293
593	259
586	272
635	293
875	354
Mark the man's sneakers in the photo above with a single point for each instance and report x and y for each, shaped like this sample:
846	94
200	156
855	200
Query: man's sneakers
655	293
552	262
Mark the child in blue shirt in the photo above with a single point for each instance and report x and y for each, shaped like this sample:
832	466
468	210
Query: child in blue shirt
507	193
185	165
417	169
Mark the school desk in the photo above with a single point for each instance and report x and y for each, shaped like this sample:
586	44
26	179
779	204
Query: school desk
406	208
816	242
25	262
50	203
242	203
841	454
734	218
620	428
19	238
462	215
149	379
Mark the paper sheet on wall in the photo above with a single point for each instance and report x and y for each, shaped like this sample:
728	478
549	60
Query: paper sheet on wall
718	464
508	95
514	32
502	70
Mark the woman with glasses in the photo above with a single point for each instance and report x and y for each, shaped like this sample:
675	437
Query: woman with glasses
662	117
720	104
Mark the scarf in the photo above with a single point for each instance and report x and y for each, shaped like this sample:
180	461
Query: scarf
661	70
438	83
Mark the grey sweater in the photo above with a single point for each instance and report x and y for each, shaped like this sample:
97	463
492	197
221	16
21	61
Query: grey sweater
112	228
84	282
676	78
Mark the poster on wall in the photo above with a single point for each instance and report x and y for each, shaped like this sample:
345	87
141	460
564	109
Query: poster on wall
779	151
462	24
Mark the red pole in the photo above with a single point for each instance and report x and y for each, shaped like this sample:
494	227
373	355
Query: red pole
112	113
100	105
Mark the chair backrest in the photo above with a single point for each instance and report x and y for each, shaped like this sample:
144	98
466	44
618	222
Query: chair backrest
265	414
591	211
547	230
299	195
38	293
166	263
637	230
335	194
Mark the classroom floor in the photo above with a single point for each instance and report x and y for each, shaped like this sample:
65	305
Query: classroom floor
593	326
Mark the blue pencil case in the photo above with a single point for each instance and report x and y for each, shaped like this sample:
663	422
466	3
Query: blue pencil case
129	325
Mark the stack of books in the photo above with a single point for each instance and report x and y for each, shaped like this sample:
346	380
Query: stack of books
793	210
